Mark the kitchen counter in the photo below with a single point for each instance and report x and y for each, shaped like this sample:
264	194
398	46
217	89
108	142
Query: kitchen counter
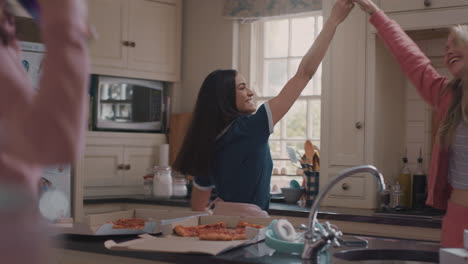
256	253
432	219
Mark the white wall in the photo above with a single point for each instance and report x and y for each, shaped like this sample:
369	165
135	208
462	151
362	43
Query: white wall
207	45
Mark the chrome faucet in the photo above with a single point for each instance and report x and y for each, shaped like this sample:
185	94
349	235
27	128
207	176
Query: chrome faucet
315	239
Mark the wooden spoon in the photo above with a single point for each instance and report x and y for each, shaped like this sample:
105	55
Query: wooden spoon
309	151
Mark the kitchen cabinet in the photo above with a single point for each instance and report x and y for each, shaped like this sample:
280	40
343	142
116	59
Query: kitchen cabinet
419	5
137	38
115	163
423	14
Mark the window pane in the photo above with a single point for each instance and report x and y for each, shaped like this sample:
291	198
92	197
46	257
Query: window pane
276	37
310	87
275	149
303	35
314	118
298	146
296	120
275	76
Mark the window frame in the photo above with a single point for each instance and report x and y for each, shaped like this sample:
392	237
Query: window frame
251	64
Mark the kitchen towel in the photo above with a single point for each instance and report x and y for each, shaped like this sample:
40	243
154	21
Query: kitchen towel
164	155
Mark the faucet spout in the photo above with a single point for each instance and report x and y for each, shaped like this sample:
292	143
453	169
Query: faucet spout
310	233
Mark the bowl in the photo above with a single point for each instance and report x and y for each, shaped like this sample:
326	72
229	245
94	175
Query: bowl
292	195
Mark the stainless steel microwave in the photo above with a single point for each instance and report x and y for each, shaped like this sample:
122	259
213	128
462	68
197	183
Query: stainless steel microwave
125	104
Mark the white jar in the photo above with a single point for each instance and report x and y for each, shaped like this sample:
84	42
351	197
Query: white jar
179	187
162	182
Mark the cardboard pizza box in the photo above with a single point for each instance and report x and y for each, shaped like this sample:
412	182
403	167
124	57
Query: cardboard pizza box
173	243
101	224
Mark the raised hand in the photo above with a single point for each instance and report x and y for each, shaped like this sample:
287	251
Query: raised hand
341	10
367	6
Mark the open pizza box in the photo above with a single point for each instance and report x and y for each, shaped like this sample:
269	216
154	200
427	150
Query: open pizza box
101	224
173	243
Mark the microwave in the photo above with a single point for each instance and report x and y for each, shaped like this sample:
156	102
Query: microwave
125	104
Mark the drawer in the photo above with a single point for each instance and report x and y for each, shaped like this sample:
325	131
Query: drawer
351	187
414	5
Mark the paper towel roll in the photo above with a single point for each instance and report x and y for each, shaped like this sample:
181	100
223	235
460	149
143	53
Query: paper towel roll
164	155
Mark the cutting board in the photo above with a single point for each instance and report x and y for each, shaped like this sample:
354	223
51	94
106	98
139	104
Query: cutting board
178	128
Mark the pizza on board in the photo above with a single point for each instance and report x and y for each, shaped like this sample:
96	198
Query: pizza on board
216	231
133	223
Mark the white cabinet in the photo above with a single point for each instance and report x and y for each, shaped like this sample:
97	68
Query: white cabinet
344	93
413	5
137	38
115	163
426	14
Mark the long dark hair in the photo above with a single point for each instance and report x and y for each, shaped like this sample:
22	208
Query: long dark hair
6	19
214	110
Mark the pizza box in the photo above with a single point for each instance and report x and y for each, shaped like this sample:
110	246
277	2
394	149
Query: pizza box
101	224
173	243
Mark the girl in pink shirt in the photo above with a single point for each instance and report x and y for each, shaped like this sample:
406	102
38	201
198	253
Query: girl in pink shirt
38	128
450	103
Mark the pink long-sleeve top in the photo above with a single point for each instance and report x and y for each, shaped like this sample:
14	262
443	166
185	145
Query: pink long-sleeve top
431	86
45	127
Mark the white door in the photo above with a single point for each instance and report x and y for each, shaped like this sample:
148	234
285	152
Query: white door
153	31
347	92
137	161
110	19
103	166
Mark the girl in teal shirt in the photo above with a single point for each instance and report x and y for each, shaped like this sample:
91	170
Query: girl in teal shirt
226	145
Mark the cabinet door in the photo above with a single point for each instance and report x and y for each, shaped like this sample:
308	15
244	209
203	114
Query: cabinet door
137	161
102	166
154	31
346	92
406	5
110	19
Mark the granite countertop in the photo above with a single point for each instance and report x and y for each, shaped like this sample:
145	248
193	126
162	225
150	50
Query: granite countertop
426	219
256	253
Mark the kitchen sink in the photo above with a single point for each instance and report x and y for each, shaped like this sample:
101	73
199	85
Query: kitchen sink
389	254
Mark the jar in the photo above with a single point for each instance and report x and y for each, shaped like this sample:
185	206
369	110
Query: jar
162	182
396	197
179	187
148	184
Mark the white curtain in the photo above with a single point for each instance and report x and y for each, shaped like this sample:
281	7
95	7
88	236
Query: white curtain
252	9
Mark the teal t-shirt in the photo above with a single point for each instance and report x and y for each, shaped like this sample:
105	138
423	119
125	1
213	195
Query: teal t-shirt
242	165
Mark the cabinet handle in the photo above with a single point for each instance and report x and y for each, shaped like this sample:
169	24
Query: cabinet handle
345	186
358	125
127	167
126	43
427	3
120	167
132	44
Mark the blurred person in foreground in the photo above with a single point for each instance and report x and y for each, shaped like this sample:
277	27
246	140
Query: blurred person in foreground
38	128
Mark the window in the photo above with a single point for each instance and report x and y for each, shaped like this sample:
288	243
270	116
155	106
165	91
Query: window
277	48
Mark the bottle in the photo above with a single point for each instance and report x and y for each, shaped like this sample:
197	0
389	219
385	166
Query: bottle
404	180
162	182
419	185
396	197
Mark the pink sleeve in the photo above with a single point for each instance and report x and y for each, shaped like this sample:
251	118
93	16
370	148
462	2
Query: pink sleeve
48	127
416	66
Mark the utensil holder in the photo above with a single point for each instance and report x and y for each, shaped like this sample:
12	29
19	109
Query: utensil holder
312	186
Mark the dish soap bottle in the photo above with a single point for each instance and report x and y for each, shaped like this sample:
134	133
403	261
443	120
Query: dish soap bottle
405	183
419	185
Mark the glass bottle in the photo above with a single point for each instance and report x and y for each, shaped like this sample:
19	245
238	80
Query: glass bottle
404	180
419	185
